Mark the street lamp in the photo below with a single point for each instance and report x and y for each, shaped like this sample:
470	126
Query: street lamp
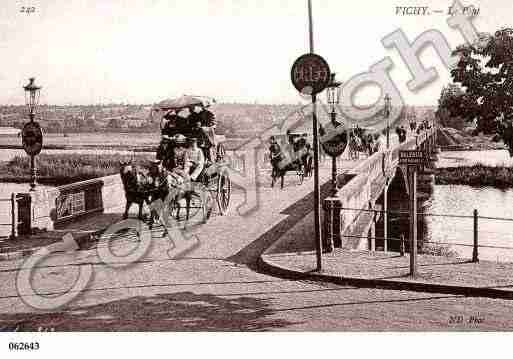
32	136
333	92
387	116
32	97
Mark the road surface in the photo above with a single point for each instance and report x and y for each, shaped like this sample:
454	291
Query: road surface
217	287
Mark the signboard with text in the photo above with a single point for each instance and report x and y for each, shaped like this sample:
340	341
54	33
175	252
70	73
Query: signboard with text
413	158
310	74
334	143
70	204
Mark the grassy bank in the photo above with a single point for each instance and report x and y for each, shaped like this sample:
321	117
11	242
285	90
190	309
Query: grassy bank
477	175
60	169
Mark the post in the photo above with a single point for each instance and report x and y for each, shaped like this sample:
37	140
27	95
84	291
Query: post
317	195
32	173
413	221
372	232
475	256
310	23
334	159
14	216
385	218
388	132
334	175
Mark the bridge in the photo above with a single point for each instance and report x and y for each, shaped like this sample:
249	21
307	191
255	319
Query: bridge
375	186
350	218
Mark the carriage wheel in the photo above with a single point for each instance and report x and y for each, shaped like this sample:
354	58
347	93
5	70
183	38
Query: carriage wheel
220	152
195	208
224	189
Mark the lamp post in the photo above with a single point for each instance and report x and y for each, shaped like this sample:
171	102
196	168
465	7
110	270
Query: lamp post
31	135
333	95
387	116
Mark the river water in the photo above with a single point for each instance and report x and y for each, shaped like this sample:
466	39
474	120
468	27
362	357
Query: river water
447	199
7	188
462	200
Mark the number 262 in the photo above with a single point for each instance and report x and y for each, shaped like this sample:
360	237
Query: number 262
28	9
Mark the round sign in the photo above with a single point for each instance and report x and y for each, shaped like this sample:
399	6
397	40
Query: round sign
335	145
32	138
310	74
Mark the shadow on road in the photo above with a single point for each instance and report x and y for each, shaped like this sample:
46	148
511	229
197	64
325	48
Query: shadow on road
182	311
297	211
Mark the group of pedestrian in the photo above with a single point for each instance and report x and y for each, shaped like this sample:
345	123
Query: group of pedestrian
401	133
424	125
373	143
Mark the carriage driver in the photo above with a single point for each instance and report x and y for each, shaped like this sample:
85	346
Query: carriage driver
189	162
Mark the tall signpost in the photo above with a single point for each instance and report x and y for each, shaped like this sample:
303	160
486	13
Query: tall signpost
310	75
336	144
386	163
412	161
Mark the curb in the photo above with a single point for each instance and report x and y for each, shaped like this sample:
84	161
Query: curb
82	241
267	266
9	256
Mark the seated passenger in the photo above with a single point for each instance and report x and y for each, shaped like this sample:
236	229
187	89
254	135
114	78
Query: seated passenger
179	175
195	157
301	142
193	117
204	137
208	119
165	152
170	123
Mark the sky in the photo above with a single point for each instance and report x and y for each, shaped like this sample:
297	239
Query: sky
104	51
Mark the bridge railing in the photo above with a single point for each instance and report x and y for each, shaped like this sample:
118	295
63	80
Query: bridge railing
357	193
45	208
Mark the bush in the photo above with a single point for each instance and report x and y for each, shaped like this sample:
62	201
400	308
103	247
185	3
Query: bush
477	175
59	169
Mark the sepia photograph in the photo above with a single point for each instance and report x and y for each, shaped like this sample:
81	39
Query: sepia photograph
305	166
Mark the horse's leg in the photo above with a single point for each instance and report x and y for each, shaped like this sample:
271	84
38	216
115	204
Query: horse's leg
187	207
127	207
178	207
141	202
282	179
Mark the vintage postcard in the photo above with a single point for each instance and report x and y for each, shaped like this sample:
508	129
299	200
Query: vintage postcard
243	166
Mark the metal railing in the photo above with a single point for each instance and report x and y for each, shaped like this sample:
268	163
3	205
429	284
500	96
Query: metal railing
13	208
476	232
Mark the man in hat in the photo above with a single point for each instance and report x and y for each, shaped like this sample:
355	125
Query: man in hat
208	119
170	123
180	172
204	141
193	117
165	152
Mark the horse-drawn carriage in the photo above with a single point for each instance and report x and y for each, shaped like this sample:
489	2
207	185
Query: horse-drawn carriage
290	152
190	162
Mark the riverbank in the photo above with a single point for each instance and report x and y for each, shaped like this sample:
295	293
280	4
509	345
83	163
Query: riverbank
477	175
450	139
119	141
61	169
